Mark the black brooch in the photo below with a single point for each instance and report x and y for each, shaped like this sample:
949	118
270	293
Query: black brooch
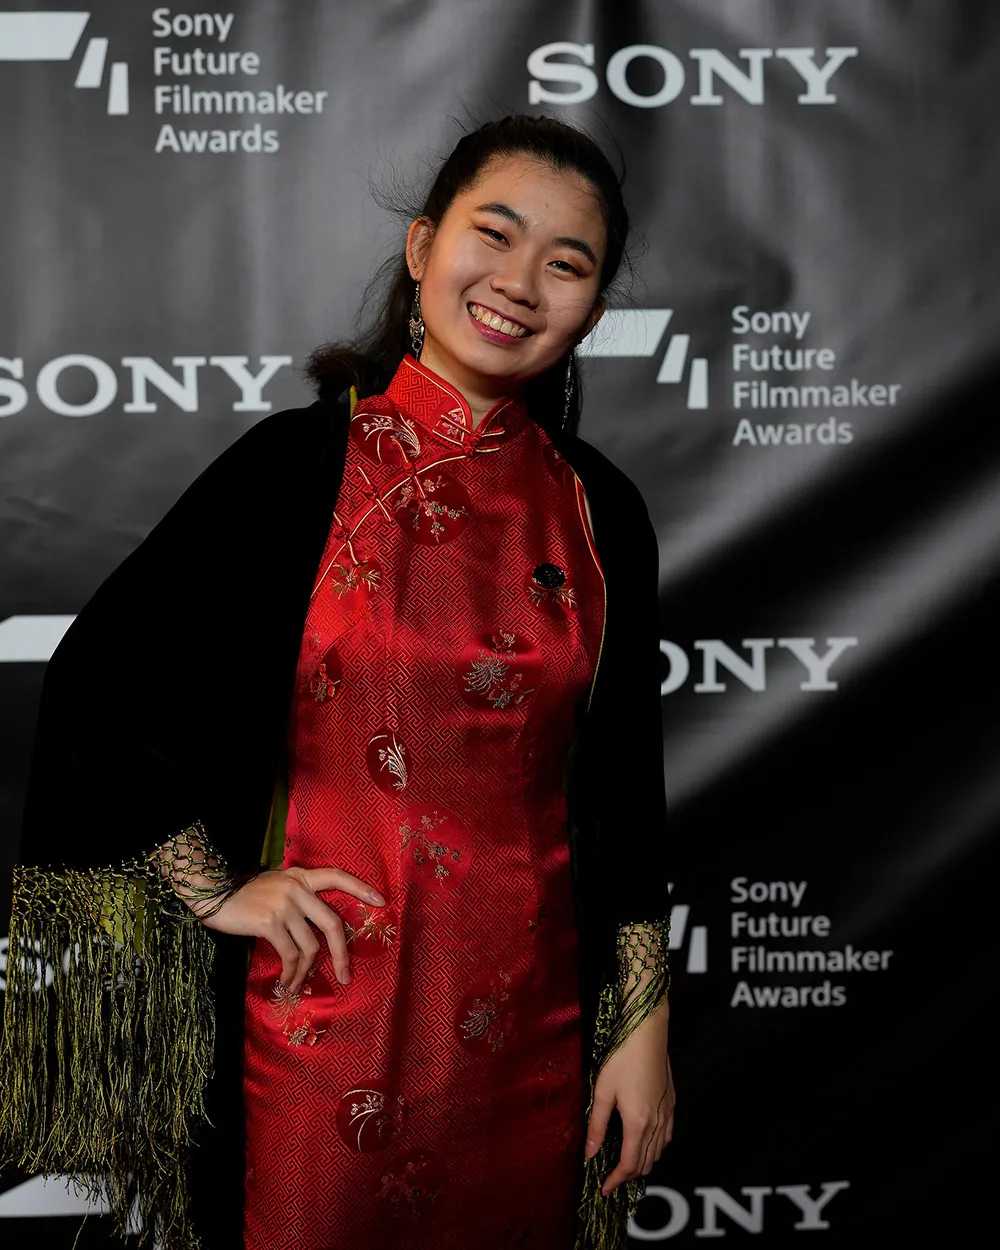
548	586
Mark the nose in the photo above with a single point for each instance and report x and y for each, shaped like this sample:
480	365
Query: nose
517	281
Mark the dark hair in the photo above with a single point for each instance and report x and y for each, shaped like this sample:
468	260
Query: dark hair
369	362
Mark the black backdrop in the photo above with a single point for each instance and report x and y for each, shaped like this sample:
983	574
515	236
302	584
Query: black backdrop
801	380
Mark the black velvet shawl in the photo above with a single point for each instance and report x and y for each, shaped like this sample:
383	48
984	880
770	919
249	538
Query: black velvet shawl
164	709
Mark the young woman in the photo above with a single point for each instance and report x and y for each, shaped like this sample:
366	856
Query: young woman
418	621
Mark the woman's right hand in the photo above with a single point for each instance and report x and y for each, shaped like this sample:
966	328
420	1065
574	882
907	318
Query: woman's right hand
277	905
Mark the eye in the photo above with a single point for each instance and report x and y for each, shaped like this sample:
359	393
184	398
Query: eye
495	233
569	268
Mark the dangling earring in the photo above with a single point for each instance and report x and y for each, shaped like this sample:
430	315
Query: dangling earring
567	390
416	324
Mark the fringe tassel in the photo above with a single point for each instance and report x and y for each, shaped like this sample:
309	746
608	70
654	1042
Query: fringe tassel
642	982
109	1036
109	1033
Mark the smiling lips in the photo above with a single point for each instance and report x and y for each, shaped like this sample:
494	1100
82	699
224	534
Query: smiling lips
487	317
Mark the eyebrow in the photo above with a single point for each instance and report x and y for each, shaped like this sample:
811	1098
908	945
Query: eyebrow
511	214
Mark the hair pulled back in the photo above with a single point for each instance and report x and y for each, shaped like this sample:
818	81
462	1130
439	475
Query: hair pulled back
369	362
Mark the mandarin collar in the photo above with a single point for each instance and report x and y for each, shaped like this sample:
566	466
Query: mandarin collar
443	410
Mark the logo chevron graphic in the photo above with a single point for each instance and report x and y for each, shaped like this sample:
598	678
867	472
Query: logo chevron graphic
697	953
39	36
625	332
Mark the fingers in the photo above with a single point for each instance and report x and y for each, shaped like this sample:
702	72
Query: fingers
661	1139
657	1146
652	1152
662	1136
635	1141
332	927
314	880
290	954
643	1142
308	946
319	879
668	1128
283	919
637	1158
599	1116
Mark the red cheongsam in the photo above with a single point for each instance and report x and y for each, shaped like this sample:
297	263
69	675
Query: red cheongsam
457	616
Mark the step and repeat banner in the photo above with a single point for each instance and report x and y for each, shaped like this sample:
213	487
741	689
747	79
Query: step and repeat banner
801	377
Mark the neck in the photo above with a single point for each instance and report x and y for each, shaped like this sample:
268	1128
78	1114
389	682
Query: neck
473	387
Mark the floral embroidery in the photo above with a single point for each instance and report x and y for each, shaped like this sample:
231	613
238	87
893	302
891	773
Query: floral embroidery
383	433
371	924
490	676
480	1022
436	848
345	578
312	647
368	1118
551	1081
391	759
325	675
371	1106
399	429
565	596
427	848
414	501
409	1189
387	759
456	415
295	1019
322	685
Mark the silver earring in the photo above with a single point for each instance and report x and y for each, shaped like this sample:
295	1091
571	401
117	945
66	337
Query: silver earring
567	390
416	324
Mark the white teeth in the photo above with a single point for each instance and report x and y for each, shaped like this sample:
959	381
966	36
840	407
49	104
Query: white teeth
496	322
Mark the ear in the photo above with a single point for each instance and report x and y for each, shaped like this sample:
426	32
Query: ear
593	317
419	237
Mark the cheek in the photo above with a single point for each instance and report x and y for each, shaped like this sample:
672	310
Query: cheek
567	313
447	284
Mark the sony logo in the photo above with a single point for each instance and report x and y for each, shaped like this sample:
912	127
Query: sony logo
752	672
713	68
673	1209
144	375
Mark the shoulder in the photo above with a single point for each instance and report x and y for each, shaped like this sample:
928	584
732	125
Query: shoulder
276	442
285	430
600	473
254	478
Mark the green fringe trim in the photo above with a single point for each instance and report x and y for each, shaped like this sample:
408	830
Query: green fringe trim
642	983
109	1035
109	1031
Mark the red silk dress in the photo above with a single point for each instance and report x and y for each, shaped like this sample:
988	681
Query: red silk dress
457	617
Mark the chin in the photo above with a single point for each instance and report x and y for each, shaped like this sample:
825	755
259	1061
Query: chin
522	362
490	364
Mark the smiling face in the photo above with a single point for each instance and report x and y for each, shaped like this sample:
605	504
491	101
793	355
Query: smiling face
509	279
